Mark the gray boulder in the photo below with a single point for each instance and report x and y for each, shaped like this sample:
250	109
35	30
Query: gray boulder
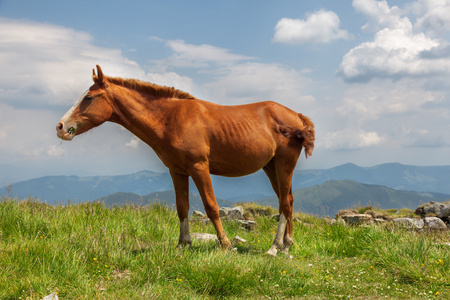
236	213
434	223
434	208
223	211
198	214
357	219
409	223
52	296
204	236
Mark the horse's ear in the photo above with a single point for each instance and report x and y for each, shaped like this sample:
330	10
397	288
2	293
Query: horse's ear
100	76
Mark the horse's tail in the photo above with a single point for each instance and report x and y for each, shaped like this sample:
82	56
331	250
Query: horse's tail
305	136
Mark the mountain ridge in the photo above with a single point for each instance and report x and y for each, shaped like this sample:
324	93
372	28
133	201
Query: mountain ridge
61	189
324	199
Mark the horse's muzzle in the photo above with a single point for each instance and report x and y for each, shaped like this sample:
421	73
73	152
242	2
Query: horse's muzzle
63	133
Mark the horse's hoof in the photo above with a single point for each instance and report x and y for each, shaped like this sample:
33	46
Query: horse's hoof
184	244
272	251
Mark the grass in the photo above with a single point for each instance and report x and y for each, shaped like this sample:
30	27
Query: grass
88	251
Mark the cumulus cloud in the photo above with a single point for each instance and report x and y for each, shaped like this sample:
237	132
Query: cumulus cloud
250	82
402	113
351	139
51	65
196	56
433	16
236	79
396	51
380	15
322	26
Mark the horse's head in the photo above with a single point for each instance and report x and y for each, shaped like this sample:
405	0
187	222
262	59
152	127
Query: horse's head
92	109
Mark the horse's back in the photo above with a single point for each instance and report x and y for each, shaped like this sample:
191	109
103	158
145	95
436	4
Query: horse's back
242	139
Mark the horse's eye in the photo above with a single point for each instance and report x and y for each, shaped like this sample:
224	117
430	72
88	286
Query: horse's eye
88	97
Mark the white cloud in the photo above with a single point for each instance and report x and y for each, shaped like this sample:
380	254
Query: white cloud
433	15
172	79
250	82
51	65
133	143
351	139
196	56
233	78
396	52
380	15
319	27
401	113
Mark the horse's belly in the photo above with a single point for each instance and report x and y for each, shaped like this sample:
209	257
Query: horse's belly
234	162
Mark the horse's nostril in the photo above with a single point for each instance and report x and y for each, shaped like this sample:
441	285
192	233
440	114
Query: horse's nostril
60	126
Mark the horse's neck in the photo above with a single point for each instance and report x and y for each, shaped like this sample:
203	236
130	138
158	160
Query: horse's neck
143	115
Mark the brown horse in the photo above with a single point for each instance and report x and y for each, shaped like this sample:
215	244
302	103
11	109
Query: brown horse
198	138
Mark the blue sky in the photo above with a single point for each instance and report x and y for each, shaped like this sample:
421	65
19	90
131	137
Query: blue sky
373	75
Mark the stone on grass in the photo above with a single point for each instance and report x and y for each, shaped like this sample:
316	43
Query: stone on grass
238	240
204	236
357	219
434	223
409	223
435	209
198	214
52	296
223	211
247	224
236	213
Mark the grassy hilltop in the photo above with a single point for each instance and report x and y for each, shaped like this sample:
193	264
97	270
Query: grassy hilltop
89	251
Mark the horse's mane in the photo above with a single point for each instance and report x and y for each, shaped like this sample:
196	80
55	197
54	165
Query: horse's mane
147	87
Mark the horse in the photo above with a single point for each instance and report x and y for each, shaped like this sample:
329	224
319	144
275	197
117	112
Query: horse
196	138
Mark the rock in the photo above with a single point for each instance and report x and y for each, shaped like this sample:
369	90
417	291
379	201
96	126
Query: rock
238	240
357	219
236	213
198	214
249	225
52	296
434	223
445	211
435	209
262	212
205	221
409	223
345	212
223	211
379	220
204	236
338	222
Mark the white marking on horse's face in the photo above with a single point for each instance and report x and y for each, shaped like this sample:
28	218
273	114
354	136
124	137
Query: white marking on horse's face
70	111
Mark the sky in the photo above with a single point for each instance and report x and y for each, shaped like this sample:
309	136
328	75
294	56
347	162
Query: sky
374	76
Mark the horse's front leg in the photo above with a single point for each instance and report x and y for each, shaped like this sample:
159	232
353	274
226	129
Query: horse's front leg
181	185
202	179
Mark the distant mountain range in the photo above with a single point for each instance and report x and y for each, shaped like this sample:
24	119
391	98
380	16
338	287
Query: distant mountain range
323	199
325	192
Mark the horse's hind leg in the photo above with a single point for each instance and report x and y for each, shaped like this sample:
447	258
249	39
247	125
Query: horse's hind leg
202	179
270	171
181	185
280	174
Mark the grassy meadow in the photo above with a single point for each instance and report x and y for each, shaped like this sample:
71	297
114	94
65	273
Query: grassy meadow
89	251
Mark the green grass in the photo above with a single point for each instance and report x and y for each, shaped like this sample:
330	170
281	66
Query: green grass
88	251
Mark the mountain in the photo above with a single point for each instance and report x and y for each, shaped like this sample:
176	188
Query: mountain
167	197
60	189
397	176
331	196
